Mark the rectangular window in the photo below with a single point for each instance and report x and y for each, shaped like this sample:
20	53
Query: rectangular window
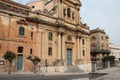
20	49
31	35
31	51
21	31
69	37
83	52
102	46
50	51
83	41
50	36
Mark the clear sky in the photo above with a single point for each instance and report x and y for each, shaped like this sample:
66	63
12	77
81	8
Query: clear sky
104	14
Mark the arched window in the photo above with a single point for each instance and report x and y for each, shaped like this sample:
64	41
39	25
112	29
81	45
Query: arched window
68	12
93	38
21	31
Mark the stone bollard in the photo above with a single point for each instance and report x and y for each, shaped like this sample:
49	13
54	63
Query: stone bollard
94	68
108	64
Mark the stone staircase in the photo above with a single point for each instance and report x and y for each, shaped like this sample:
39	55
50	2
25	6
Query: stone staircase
73	69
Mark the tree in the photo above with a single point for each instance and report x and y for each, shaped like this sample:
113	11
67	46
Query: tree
9	56
35	60
110	59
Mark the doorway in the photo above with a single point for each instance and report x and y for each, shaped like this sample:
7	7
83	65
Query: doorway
19	62
69	56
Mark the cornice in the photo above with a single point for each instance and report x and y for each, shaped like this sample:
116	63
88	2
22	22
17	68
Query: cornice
79	4
97	30
7	7
14	3
14	7
57	24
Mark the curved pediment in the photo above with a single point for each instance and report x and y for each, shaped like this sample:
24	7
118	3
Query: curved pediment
76	2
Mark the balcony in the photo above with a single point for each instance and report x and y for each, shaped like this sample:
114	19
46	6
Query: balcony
95	59
102	51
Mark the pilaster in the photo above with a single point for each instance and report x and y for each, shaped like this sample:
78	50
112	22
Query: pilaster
78	48
59	46
63	46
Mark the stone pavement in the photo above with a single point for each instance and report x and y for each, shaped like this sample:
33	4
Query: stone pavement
113	74
49	74
43	73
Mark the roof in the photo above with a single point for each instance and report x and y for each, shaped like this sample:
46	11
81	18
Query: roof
75	2
14	7
15	3
97	30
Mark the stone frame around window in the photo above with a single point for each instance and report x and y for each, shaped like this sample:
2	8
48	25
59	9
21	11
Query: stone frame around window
21	31
50	36
69	38
49	51
68	12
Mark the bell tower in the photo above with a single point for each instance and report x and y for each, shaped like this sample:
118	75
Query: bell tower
68	11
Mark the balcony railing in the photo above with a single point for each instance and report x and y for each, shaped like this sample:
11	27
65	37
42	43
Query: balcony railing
95	59
102	51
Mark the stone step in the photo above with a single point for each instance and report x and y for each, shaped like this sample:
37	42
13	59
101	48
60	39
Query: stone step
73	69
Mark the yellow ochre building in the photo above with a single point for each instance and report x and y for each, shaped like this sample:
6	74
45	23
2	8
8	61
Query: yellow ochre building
49	29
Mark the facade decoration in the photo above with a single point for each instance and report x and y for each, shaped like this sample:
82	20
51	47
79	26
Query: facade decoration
51	30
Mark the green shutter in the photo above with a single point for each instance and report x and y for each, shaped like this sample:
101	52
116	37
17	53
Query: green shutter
50	36
21	31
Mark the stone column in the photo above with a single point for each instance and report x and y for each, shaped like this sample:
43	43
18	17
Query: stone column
94	68
63	46
78	48
38	46
59	46
59	9
80	43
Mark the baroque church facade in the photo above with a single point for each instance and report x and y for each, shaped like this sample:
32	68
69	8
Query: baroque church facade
49	29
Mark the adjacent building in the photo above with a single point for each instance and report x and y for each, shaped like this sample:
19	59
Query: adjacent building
99	44
49	29
115	51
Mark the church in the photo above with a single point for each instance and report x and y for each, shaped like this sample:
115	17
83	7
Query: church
49	29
